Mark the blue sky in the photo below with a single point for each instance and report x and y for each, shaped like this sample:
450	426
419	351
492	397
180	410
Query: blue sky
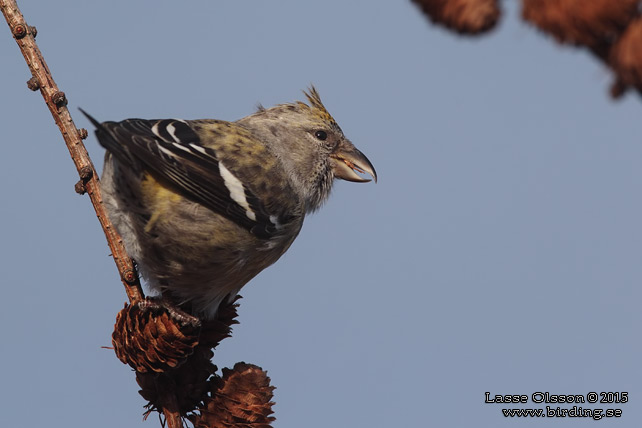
500	250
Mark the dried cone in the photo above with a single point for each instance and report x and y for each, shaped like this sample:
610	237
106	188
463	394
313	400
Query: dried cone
626	59
241	398
151	338
463	16
213	331
181	390
184	388
591	23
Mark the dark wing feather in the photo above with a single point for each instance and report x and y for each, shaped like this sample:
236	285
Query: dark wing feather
172	151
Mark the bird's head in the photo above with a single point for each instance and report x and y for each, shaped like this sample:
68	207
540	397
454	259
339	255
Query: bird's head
311	146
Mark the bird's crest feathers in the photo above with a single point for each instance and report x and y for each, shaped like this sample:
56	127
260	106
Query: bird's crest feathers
316	106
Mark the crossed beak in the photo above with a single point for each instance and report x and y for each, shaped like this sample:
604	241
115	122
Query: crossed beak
349	162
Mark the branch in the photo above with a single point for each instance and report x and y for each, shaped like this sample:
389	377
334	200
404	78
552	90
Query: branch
243	396
56	100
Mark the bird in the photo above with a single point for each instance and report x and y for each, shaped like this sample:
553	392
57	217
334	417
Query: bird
205	205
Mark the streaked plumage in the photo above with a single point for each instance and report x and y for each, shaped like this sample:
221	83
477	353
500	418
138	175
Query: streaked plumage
204	205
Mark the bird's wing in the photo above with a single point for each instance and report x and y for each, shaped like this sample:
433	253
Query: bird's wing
173	150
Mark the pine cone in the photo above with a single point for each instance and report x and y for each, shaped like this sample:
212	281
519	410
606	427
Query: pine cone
463	16
150	337
241	398
213	331
181	390
171	352
626	59
595	24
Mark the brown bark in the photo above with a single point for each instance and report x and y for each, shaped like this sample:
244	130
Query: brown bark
56	100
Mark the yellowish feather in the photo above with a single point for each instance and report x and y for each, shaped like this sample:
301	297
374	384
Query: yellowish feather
159	197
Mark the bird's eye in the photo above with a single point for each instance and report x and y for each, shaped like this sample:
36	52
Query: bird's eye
321	135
